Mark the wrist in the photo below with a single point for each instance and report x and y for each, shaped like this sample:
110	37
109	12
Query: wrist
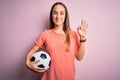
82	37
83	40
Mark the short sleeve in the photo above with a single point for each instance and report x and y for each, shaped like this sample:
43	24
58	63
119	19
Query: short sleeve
40	41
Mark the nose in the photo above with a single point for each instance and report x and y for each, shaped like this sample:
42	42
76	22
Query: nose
58	15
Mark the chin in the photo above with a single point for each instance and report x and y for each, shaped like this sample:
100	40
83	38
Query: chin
59	24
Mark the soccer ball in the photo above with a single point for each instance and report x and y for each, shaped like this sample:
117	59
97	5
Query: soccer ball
44	59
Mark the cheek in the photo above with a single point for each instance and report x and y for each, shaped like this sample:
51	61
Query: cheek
63	17
53	17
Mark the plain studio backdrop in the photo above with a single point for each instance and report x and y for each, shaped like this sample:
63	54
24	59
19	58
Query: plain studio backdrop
21	21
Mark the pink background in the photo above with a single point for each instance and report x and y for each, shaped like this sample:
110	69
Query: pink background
21	21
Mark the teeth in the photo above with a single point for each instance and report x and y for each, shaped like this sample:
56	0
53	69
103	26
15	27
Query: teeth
57	21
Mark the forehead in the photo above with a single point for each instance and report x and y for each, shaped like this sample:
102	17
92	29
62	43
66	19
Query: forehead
58	7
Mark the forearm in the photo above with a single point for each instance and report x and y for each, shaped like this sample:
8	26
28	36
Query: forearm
81	51
82	29
30	53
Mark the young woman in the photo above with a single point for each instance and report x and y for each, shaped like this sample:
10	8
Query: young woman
62	44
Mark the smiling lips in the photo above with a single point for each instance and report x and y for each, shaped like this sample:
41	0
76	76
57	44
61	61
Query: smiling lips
58	20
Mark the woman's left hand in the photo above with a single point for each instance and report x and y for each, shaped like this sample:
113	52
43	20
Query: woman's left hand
82	29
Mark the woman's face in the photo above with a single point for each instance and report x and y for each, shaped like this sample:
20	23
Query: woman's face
58	15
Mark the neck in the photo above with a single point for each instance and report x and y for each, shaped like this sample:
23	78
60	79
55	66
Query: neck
59	29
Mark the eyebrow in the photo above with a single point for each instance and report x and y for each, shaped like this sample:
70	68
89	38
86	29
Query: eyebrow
57	11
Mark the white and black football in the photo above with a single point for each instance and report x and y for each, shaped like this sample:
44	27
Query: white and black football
44	59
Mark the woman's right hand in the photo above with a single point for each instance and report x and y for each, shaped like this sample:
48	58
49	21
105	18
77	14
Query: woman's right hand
33	67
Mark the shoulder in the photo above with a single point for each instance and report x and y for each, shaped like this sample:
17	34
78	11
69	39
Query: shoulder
46	32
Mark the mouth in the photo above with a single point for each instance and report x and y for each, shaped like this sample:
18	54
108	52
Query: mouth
58	20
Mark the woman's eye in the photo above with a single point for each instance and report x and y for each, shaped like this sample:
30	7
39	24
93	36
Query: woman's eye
62	13
54	12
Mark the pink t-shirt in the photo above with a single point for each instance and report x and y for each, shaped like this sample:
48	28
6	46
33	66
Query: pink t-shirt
62	63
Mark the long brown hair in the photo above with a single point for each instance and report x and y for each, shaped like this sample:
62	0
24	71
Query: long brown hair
66	25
